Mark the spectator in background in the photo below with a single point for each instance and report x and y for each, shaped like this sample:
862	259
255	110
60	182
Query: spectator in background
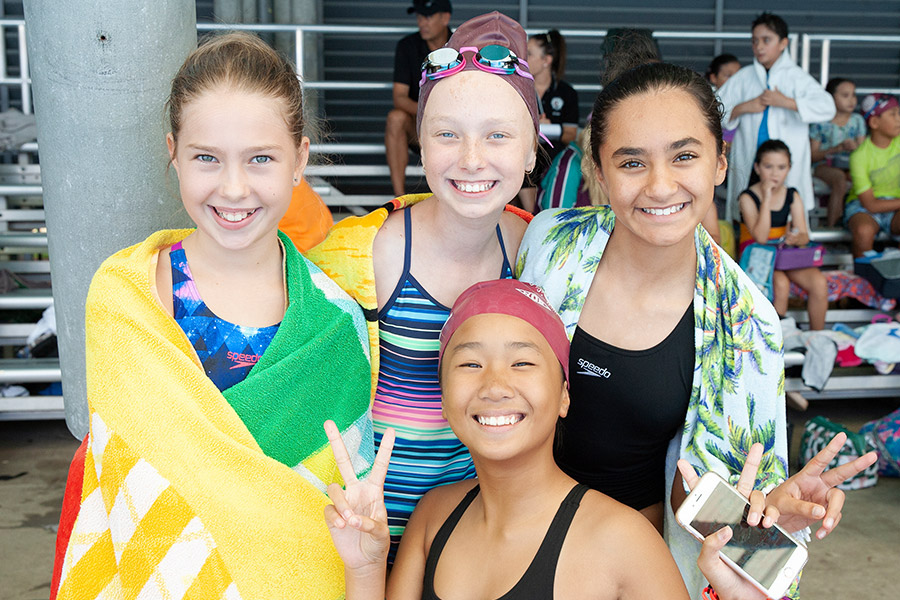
718	72
721	69
875	172
772	98
433	19
831	143
559	106
564	184
771	211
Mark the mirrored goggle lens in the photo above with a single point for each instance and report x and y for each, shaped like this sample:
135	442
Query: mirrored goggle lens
441	59
497	57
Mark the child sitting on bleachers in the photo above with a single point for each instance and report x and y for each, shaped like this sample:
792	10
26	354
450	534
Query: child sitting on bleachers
832	141
875	174
772	211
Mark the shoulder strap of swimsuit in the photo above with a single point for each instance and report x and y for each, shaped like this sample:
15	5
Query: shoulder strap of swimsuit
440	540
538	580
407	244
752	195
506	266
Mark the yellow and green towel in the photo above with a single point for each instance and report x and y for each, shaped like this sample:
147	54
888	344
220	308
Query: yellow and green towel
186	492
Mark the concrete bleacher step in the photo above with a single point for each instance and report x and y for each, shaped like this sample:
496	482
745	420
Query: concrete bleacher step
20	408
849	316
848	386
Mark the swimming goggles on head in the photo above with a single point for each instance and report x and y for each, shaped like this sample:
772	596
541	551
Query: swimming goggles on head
495	59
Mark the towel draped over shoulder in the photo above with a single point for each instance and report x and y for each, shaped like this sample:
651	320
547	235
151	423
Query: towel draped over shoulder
180	491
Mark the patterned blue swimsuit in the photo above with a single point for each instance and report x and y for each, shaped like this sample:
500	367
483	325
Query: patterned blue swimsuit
227	351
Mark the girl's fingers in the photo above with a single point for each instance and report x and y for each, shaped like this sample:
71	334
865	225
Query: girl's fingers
345	466
337	496
757	508
709	562
771	516
383	458
835	502
818	463
747	480
333	520
688	473
364	524
837	475
796	507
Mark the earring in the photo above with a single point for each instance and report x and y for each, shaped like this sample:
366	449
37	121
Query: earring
529	171
296	180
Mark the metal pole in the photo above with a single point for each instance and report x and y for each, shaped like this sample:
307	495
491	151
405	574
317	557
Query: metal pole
102	71
720	24
309	56
23	71
804	52
826	60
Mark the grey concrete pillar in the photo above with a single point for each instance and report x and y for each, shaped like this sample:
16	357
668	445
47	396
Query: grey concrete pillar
101	72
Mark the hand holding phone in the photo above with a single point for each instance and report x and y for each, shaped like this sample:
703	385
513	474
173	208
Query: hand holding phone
761	560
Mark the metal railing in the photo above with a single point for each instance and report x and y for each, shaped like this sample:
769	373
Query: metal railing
800	46
826	39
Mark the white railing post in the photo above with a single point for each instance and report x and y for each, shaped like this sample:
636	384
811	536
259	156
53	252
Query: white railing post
826	59
298	52
804	53
23	71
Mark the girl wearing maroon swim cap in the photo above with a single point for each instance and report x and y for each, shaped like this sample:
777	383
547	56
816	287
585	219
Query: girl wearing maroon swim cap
406	262
523	529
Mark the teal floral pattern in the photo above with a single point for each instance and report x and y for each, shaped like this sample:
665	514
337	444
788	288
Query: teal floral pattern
738	389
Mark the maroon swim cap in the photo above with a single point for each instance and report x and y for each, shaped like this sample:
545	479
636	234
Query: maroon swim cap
481	31
517	299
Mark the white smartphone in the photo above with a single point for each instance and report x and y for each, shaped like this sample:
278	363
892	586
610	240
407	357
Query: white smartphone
768	558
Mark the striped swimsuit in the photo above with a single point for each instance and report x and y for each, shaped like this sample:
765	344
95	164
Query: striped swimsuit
408	397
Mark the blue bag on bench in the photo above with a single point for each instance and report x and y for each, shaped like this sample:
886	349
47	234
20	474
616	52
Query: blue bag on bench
758	261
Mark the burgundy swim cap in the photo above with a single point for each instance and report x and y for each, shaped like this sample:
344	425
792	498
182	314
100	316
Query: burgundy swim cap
515	298
481	31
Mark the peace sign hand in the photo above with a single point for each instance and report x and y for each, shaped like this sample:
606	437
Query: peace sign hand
357	520
810	494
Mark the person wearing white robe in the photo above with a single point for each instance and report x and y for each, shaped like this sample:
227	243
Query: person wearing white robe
813	105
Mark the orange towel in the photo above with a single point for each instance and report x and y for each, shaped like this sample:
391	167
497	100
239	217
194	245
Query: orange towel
308	219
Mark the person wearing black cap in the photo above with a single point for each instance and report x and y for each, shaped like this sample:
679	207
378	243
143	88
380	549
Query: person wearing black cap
433	19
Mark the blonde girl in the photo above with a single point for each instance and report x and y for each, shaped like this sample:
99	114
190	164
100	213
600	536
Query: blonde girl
210	360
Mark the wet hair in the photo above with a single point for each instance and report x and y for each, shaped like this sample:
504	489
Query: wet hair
835	82
626	48
773	22
238	61
718	62
553	44
769	146
650	78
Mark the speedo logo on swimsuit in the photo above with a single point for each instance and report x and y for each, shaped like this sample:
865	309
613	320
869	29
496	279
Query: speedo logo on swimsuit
242	360
534	298
589	368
